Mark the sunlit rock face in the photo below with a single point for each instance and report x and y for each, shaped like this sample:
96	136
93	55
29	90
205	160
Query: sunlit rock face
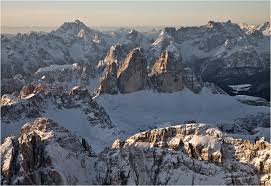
46	153
132	73
116	53
166	73
241	161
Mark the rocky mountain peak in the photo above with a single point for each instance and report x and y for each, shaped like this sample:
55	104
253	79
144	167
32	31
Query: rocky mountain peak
8	99
134	35
31	89
116	54
108	82
74	29
132	73
166	73
198	141
167	62
228	28
41	146
129	76
43	152
73	25
212	24
169	74
170	30
265	28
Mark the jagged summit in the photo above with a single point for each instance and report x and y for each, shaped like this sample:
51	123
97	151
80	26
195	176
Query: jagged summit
47	153
265	28
116	54
70	30
170	74
132	73
72	97
134	35
167	62
74	26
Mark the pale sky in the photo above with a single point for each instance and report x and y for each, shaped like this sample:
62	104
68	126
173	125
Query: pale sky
132	13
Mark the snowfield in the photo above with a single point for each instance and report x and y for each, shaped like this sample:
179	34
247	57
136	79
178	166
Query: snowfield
143	110
238	88
76	121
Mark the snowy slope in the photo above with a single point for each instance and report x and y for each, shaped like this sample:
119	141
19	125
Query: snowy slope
78	113
146	109
76	121
251	100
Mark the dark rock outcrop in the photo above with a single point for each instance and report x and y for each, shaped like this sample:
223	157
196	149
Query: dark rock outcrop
33	158
108	82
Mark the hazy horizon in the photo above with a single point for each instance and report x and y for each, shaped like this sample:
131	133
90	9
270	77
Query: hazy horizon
47	15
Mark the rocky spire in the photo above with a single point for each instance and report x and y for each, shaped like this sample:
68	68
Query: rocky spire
116	54
108	82
166	73
132	73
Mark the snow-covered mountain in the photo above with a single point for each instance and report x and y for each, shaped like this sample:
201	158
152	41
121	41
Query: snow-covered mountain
220	52
71	143
74	110
47	153
147	109
81	106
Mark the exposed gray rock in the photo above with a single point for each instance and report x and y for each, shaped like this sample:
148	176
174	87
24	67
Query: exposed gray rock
108	82
191	81
186	154
46	153
166	74
132	73
42	155
42	100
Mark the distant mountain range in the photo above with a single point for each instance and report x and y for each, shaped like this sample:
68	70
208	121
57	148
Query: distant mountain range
171	106
223	53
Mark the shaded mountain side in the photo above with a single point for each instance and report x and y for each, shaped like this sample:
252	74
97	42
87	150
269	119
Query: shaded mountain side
260	82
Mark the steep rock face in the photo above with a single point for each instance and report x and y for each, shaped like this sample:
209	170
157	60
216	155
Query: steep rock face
221	52
27	90
227	67
166	73
116	53
191	81
114	58
158	156
132	73
265	28
108	82
45	153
